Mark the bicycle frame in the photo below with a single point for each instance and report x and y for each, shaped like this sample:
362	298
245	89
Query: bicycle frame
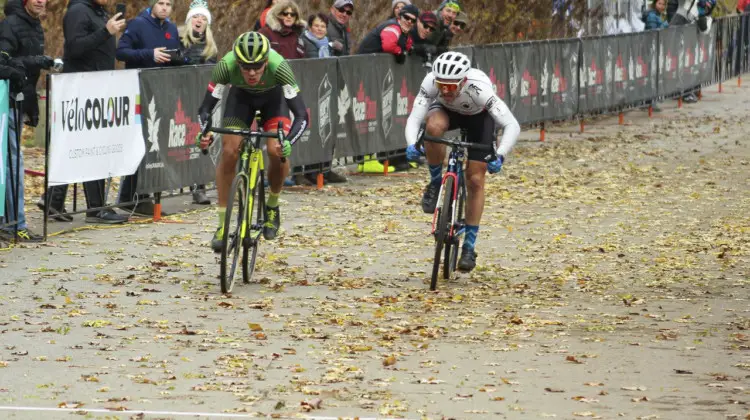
455	170
250	163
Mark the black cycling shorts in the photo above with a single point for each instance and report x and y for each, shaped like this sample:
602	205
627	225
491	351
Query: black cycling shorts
241	106
481	129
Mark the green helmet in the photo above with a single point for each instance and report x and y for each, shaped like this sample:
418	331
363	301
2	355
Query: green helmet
251	48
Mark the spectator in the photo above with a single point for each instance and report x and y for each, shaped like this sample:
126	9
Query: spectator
318	46
316	37
396	7
22	43
420	35
459	24
672	6
261	22
198	47
90	45
338	27
392	36
743	6
142	46
654	16
694	11
284	29
446	13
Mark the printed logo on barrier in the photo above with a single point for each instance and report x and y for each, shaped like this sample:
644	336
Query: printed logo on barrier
345	102
404	102
641	71
325	90
558	84
529	88
608	67
365	111
501	90
88	114
513	76
152	127
670	64
621	72
387	103
182	133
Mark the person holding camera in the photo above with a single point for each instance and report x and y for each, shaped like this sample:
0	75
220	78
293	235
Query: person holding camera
90	45
150	40
22	47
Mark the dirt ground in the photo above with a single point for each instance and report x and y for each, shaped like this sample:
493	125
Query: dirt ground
613	281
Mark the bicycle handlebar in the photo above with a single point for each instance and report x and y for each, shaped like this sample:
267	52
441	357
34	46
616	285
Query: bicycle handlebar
246	132
423	136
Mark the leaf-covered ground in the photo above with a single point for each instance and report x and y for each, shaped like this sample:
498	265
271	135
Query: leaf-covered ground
612	282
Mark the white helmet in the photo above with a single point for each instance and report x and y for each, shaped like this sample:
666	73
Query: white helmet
451	65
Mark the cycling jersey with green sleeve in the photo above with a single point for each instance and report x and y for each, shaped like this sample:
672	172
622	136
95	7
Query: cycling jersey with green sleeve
278	73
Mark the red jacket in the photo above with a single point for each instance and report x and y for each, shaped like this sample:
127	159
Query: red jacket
386	38
742	5
285	41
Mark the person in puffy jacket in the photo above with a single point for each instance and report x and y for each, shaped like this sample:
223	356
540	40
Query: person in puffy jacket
392	36
284	29
654	16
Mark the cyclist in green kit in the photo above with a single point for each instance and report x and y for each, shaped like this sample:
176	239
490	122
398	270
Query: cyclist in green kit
261	80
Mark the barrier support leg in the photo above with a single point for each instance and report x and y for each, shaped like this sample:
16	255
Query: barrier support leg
700	94
720	87
385	168
157	207
650	111
542	133
679	102
319	180
75	198
621	118
739	81
582	125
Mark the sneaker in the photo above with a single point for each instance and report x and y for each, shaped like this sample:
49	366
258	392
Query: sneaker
655	108
373	167
273	221
430	197
468	260
25	235
334	177
690	98
199	197
402	166
217	242
107	217
59	215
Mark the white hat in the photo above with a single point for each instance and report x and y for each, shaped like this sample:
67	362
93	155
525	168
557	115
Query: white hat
198	7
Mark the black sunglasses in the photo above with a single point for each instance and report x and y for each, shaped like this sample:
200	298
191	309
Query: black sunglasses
409	18
289	14
252	66
345	10
461	25
429	28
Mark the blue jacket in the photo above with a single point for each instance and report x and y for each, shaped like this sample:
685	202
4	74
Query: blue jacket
653	20
143	34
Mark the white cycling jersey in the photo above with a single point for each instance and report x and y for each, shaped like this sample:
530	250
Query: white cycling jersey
476	96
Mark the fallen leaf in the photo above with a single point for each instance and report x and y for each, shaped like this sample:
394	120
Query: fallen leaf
554	390
594	384
683	372
634	388
389	361
573	360
641	399
254	327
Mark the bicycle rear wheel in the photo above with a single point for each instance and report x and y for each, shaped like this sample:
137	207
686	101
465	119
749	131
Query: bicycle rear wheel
442	228
232	241
252	239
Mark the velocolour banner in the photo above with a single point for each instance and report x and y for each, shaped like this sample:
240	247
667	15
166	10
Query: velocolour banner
4	95
95	126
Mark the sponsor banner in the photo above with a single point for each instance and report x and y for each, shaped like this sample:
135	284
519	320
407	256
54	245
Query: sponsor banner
524	79
670	58
95	126
705	54
359	119
596	74
559	80
170	101
642	68
408	79
494	60
318	82
4	119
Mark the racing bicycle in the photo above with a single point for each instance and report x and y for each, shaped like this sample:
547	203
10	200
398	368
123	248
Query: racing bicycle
247	192
448	223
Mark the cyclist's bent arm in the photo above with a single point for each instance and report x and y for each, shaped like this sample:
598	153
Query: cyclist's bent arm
505	119
299	110
427	94
220	76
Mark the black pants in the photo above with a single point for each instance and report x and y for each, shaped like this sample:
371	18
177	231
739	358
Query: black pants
93	190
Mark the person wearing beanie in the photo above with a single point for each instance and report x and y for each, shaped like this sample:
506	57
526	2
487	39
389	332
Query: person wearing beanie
459	24
396	6
198	47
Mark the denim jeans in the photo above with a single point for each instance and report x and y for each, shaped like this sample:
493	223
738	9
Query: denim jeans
14	142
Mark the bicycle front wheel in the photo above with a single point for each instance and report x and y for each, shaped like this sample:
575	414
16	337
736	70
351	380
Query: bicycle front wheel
252	239
442	228
235	224
451	250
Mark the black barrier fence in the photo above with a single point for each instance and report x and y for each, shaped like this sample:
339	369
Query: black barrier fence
359	105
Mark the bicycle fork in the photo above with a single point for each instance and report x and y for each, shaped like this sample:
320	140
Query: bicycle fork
439	207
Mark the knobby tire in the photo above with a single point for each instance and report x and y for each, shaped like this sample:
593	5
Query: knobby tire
230	250
441	229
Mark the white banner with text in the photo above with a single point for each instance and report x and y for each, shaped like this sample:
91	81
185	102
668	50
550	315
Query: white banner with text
95	126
